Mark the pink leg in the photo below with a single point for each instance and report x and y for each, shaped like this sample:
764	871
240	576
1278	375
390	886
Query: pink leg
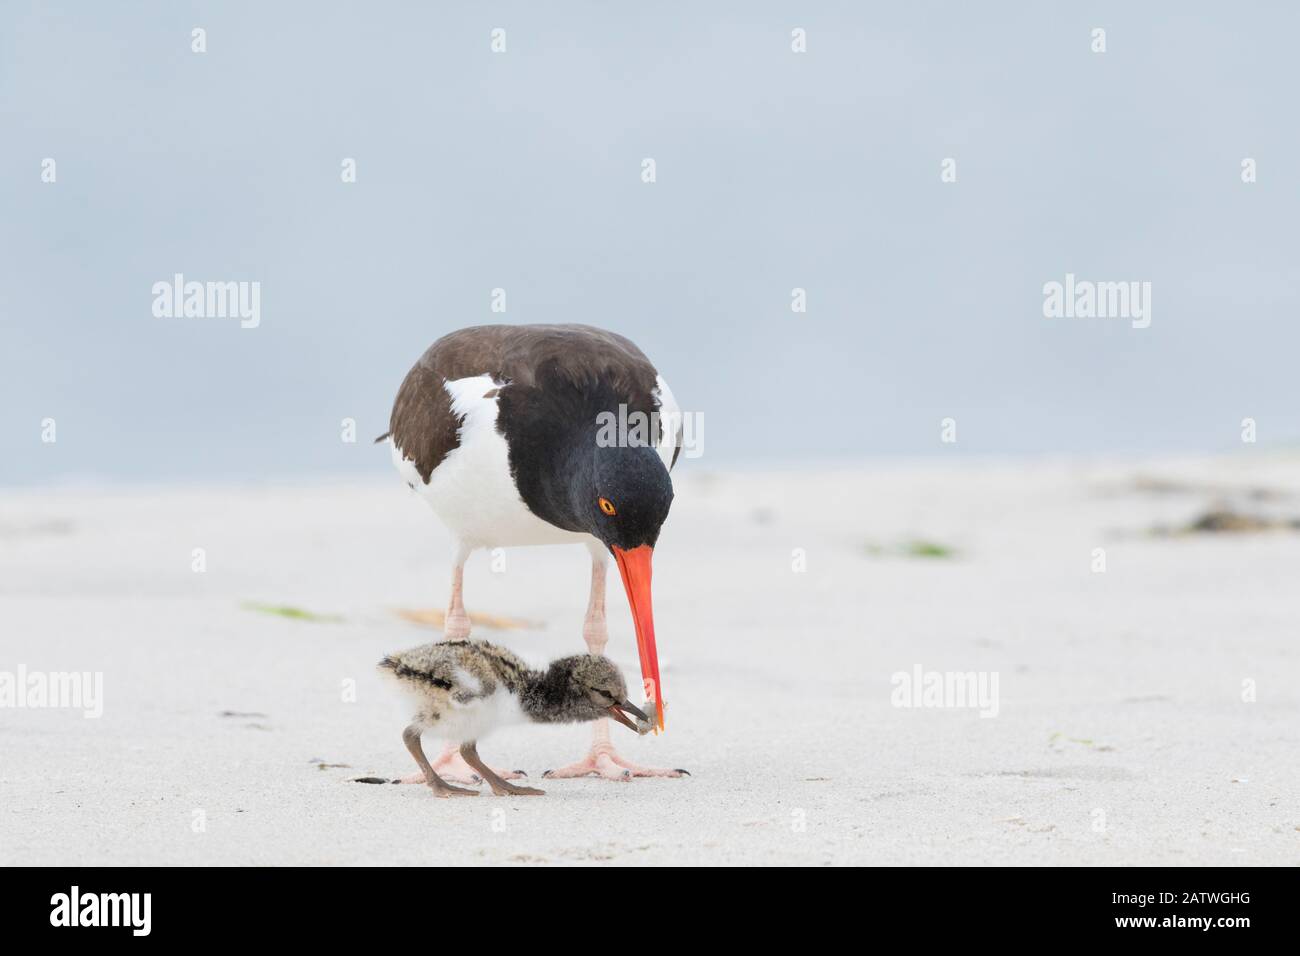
602	760
456	625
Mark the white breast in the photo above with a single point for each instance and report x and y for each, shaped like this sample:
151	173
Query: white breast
472	490
462	723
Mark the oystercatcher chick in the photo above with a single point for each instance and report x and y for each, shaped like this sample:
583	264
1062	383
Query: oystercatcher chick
467	689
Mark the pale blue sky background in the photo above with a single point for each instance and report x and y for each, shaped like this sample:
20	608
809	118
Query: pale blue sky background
522	171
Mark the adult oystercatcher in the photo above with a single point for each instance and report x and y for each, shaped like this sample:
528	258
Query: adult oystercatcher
505	431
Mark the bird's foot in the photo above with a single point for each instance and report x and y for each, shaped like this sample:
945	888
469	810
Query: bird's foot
441	788
450	765
510	790
605	763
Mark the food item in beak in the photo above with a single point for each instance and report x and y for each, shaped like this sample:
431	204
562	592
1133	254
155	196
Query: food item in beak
625	711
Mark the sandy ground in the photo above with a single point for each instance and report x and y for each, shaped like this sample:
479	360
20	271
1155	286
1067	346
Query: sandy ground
1121	737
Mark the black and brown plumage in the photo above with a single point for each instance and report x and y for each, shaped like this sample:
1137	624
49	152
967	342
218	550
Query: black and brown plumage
498	429
465	690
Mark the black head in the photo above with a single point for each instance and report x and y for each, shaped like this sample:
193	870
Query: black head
595	682
626	499
581	688
569	474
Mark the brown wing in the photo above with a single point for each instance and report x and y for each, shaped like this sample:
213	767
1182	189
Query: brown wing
423	425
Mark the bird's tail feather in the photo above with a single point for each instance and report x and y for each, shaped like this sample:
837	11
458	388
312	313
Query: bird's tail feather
405	673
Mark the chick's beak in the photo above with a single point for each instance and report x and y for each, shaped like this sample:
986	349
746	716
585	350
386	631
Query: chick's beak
635	567
620	711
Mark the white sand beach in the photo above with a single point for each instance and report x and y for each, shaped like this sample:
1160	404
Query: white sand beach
1121	735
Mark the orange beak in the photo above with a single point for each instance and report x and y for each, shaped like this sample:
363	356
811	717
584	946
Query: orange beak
635	567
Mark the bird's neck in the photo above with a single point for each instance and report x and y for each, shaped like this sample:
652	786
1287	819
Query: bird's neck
555	481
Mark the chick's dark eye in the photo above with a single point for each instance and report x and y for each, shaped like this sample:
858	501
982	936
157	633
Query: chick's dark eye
607	507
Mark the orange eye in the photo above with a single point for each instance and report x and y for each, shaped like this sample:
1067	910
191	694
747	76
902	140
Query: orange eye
607	506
